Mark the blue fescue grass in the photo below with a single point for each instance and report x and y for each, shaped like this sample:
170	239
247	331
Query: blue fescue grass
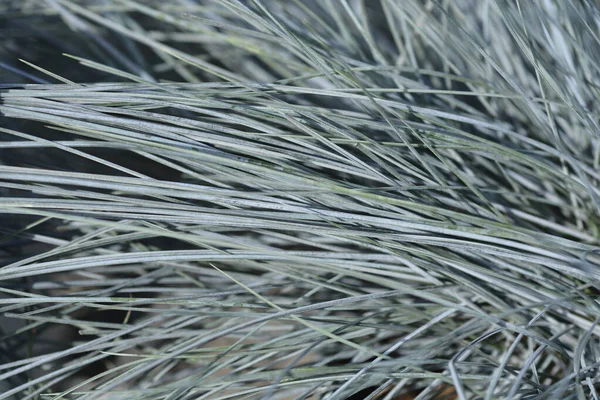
297	200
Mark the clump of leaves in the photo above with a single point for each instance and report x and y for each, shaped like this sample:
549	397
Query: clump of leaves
270	199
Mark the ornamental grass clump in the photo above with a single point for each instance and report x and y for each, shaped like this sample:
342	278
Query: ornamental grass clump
268	199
